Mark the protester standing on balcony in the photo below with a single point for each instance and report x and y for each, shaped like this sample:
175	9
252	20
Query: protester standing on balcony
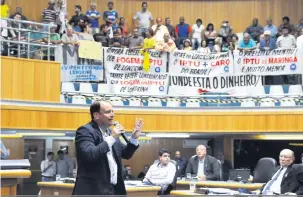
144	18
94	17
49	14
111	16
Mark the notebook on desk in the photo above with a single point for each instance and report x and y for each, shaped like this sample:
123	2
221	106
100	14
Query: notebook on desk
15	164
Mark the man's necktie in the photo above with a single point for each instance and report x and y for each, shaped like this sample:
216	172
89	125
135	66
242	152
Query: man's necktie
267	187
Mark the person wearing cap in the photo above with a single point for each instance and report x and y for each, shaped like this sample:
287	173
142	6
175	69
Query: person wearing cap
267	43
55	40
286	24
111	16
255	30
49	14
187	45
225	30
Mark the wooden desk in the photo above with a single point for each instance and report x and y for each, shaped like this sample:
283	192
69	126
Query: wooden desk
57	188
183	193
220	184
9	181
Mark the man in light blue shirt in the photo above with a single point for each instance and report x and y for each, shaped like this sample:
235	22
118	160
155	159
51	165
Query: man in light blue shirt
247	44
4	151
272	28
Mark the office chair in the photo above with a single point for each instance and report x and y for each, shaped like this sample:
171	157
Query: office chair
263	170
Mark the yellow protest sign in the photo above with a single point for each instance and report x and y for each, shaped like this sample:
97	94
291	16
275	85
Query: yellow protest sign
90	50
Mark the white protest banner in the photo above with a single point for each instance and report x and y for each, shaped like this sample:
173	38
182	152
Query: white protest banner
194	63
193	85
138	83
275	62
82	73
130	60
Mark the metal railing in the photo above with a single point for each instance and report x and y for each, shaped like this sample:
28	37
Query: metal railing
24	42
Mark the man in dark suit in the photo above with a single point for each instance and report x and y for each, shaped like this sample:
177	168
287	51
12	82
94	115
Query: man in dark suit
287	179
205	167
99	152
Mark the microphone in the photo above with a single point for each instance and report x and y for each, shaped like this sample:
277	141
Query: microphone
122	134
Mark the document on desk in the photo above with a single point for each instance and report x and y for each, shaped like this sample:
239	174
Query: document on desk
136	184
221	191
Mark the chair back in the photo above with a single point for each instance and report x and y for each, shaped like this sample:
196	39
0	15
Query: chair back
263	170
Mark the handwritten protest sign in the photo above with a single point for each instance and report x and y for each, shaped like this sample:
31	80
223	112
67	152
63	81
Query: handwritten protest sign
194	63
82	73
194	85
130	60
90	50
138	83
275	62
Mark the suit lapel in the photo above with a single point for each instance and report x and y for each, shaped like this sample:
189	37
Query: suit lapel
206	162
196	166
97	129
286	173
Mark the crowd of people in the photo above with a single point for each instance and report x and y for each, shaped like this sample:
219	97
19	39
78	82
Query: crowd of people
162	35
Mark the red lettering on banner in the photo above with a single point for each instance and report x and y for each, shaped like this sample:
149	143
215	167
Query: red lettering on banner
156	62
189	63
131	82
279	60
251	61
130	60
220	63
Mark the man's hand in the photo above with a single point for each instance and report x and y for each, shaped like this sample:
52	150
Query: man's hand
202	177
117	130
137	129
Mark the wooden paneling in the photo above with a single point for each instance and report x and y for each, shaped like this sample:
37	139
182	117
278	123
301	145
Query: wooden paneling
61	118
15	146
34	80
238	12
148	153
69	143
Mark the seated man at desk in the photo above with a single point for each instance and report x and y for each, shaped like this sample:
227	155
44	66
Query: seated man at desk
161	173
205	167
287	179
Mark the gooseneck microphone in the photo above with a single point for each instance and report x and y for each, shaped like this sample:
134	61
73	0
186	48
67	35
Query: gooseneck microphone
122	134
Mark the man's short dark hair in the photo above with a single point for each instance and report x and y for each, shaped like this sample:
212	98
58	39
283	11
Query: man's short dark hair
162	151
199	20
144	3
110	2
60	152
286	18
78	6
95	107
116	33
50	153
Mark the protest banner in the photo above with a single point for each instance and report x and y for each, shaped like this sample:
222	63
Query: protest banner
130	60
90	50
275	62
192	85
82	73
194	63
138	83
